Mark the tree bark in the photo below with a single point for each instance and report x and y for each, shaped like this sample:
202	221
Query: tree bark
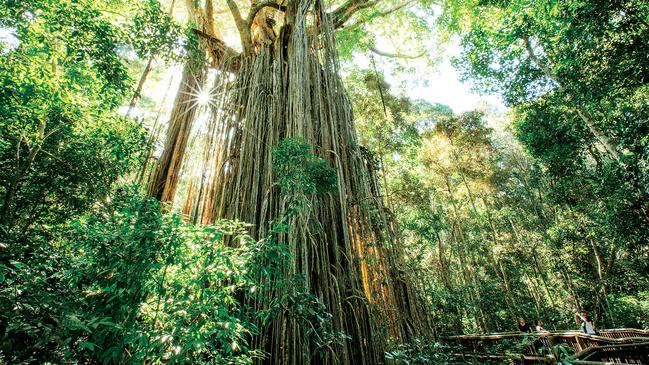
343	244
167	172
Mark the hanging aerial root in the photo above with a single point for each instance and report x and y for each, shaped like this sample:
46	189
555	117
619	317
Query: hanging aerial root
343	244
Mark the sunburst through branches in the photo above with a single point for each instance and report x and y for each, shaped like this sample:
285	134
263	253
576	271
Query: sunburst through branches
200	96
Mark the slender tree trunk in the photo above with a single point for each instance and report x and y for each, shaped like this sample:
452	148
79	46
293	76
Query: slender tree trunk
153	134
167	172
140	86
588	121
145	74
469	277
601	296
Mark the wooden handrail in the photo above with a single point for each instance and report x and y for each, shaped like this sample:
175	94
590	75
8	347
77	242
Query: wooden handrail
542	344
635	353
501	335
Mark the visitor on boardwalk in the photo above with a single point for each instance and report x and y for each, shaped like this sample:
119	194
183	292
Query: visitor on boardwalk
546	347
523	326
586	326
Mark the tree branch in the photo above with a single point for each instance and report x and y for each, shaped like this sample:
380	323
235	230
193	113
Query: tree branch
546	70
594	129
221	50
396	55
381	14
257	7
242	26
209	18
346	10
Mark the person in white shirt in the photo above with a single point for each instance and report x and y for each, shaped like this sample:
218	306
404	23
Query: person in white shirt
585	325
538	327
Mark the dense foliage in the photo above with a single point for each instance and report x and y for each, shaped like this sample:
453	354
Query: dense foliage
91	272
125	283
547	205
481	215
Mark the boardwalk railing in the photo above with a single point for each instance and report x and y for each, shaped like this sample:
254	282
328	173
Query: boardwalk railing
633	353
624	333
540	347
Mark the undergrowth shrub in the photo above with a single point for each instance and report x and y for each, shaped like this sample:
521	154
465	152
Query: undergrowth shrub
421	351
125	283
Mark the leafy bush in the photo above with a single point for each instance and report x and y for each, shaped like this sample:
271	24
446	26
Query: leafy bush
300	173
125	283
423	351
631	311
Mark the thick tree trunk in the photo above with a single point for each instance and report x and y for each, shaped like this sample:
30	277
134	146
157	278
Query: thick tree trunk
343	244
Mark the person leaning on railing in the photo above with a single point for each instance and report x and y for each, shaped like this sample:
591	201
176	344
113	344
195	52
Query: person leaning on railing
523	326
585	325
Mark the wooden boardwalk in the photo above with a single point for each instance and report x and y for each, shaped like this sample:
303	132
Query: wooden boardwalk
610	346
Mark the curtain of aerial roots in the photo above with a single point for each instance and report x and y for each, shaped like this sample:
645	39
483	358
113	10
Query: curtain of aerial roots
343	245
